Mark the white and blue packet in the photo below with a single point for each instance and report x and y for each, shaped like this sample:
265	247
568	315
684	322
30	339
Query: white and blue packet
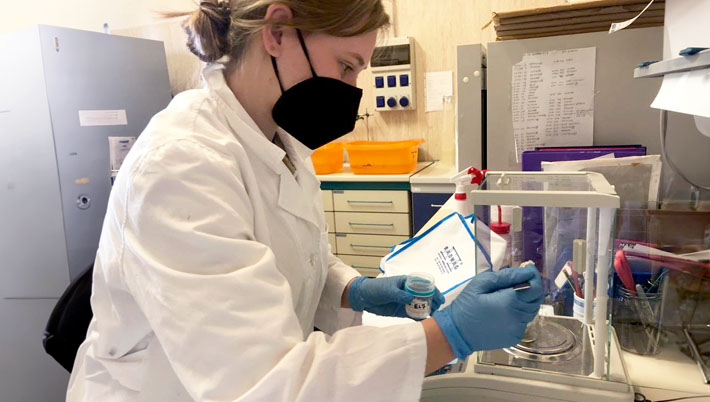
449	251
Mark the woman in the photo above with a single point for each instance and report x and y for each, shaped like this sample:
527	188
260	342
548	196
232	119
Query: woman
214	265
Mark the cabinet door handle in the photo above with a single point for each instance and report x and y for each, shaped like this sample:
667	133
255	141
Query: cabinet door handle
436	205
364	267
369	202
368	246
371	224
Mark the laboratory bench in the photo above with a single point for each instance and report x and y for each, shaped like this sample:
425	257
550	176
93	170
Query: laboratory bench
668	374
368	214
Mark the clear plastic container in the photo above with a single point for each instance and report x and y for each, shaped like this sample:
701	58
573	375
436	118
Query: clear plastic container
421	285
637	321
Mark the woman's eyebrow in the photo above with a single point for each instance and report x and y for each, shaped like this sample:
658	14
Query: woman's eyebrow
357	57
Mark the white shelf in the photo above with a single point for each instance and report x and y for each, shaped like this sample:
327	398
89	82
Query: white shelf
348	175
434	179
437	173
676	65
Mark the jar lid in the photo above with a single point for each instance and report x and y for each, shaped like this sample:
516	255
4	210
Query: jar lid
420	284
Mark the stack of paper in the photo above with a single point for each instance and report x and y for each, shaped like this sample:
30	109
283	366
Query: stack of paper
590	16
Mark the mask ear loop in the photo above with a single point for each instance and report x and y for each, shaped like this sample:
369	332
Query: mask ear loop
308	58
276	71
305	51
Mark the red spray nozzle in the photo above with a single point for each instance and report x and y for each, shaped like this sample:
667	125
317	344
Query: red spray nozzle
476	175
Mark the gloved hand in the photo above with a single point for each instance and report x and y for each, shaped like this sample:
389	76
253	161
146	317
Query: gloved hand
489	314
384	296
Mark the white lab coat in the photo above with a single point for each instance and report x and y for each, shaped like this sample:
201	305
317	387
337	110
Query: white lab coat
214	266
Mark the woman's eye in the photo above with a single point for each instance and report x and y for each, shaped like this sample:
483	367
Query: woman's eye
346	68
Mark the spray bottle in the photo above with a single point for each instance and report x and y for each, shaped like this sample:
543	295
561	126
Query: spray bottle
462	180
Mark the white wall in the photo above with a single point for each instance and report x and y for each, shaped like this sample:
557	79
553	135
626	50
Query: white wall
437	25
86	14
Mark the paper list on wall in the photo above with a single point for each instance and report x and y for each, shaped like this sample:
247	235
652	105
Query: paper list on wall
439	89
553	99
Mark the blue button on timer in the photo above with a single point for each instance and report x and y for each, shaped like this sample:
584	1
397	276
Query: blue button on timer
380	101
391	80
379	82
391	102
403	80
403	101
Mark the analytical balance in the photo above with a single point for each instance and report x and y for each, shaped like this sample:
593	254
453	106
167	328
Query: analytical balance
564	356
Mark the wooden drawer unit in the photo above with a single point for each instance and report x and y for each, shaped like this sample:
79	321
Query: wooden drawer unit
372	223
363	244
366	265
366	219
371	201
330	220
333	244
327	200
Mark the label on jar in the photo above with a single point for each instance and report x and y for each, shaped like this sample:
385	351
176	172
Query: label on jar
419	307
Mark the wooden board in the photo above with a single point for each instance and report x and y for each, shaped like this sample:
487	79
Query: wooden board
573	6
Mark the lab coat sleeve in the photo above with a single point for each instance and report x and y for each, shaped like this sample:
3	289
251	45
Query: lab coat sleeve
221	309
329	316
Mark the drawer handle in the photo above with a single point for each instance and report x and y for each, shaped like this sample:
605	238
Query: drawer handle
368	246
391	225
364	267
369	202
436	205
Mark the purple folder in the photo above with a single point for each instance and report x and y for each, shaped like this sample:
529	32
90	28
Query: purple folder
532	161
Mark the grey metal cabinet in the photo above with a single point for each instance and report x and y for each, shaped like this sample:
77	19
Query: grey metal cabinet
63	93
471	123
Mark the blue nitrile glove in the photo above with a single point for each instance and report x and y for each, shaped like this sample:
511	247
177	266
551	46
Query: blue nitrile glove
489	314
384	296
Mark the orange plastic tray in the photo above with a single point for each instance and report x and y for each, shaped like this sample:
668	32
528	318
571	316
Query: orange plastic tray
328	158
383	157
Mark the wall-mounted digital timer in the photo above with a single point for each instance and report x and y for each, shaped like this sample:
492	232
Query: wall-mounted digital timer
393	71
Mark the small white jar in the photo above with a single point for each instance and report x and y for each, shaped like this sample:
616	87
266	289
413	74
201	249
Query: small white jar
421	285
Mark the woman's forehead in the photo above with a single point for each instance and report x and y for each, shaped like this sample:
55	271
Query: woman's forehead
358	47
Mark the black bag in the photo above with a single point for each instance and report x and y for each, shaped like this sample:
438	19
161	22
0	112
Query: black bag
69	321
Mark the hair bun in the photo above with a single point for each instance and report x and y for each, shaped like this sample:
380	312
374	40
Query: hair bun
220	7
208	30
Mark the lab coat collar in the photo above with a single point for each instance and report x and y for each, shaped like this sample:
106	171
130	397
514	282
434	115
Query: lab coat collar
244	127
297	146
305	177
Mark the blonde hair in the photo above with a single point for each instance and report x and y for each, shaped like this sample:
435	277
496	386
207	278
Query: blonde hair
224	27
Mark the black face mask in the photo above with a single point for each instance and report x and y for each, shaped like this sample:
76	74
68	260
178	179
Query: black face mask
317	110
